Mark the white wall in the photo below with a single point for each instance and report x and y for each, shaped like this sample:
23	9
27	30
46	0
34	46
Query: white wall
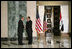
31	11
4	20
65	17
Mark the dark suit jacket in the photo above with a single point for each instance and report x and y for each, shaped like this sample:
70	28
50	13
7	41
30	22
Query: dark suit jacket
29	26
20	26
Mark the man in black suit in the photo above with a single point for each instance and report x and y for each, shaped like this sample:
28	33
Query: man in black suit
29	30
20	30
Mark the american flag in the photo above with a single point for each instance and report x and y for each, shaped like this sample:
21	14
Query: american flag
44	24
38	25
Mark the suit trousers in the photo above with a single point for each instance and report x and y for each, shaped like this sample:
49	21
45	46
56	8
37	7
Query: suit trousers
20	37
29	37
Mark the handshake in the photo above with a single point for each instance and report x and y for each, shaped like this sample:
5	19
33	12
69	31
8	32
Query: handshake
27	27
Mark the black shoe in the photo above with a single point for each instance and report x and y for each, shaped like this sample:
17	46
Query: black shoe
29	43
21	44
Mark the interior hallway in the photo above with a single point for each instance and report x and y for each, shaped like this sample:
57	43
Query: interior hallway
63	41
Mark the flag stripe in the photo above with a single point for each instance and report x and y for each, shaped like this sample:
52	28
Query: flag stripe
39	22
60	15
38	26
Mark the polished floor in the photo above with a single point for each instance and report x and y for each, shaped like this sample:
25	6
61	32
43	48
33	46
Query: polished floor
48	42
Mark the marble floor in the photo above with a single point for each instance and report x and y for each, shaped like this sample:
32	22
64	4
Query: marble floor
48	42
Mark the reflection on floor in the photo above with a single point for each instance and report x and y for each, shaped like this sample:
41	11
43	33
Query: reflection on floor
49	42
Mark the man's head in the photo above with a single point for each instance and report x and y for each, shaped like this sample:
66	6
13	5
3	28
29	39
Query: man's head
28	18
21	17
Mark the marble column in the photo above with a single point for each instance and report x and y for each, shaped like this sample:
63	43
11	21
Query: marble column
14	9
11	19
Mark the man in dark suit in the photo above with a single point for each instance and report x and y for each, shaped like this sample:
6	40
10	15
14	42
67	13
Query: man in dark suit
29	30
20	30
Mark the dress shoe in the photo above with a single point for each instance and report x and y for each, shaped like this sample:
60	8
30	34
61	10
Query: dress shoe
21	44
29	43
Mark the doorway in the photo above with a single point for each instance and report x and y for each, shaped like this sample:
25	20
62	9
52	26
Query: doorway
52	18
